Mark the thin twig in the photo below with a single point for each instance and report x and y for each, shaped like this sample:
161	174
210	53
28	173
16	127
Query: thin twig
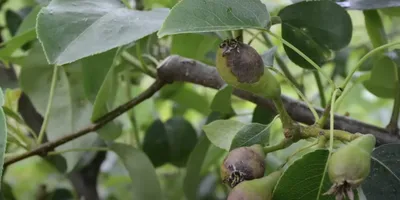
49	146
320	88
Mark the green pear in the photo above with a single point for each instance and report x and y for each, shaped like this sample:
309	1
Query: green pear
350	165
256	189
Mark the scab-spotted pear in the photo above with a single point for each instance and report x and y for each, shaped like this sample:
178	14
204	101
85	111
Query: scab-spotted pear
243	163
241	66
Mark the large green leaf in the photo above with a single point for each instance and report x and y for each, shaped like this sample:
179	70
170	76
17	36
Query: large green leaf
3	134
200	47
319	27
385	172
29	22
187	97
268	56
383	78
393	11
156	144
159	3
263	115
193	16
222	100
195	162
94	71
73	29
145	183
70	110
302	179
1	97
13	20
375	29
100	87
251	134
9	47
182	139
222	132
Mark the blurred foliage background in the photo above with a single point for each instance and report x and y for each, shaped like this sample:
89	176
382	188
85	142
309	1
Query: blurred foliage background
184	100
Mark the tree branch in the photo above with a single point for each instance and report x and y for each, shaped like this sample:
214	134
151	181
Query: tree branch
176	68
49	146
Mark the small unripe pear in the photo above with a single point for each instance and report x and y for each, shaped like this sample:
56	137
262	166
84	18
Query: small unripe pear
243	163
241	66
256	189
350	165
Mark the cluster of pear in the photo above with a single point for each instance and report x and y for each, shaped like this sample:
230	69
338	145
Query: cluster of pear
243	169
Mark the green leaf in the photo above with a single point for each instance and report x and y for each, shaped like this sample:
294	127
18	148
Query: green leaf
60	194
10	113
321	26
263	115
99	86
195	162
384	172
156	144
383	78
3	134
159	3
200	47
394	11
145	183
109	24
250	134
194	16
29	21
302	179
187	97
222	100
70	111
1	97
103	95
182	139
9	47
375	29
268	56
94	71
13	20
6	192
222	132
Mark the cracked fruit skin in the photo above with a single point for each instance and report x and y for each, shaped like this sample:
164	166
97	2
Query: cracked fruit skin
243	163
256	189
241	66
350	165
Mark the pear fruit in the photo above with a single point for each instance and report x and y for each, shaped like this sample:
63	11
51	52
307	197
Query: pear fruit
256	189
243	163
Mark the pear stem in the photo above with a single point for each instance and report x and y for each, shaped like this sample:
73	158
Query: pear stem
281	145
287	121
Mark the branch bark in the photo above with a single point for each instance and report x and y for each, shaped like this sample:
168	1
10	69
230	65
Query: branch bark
176	68
49	146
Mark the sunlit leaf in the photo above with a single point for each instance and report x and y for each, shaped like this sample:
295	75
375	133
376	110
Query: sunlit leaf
194	16
97	26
